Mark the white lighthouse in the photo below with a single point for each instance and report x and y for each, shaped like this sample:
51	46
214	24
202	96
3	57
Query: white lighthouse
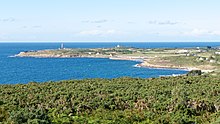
62	46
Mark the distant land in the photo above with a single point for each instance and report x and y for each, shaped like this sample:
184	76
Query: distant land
206	59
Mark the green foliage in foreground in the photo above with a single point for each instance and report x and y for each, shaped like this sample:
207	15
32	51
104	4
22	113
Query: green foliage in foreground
179	100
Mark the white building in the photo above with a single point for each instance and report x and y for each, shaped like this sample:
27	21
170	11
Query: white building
182	51
218	53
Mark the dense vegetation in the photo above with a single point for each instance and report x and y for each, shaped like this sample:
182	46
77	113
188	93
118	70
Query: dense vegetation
180	100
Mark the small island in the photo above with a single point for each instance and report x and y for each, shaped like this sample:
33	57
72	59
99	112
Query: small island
206	59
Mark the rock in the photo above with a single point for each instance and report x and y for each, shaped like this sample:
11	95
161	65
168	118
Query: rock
194	73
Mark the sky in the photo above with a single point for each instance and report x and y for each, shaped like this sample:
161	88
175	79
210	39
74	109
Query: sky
109	20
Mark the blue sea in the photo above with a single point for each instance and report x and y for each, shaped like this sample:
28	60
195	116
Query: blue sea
14	70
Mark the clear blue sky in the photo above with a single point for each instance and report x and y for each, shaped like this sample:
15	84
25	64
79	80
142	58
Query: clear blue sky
109	20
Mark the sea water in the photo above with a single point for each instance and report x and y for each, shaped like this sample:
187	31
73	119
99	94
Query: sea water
15	70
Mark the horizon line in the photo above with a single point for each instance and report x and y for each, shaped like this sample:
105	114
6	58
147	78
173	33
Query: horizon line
104	41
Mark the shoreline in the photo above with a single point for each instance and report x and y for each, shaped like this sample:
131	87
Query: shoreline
141	64
144	62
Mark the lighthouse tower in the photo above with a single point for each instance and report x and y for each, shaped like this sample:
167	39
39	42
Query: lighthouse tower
62	46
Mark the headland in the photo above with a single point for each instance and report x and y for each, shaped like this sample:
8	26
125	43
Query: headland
206	59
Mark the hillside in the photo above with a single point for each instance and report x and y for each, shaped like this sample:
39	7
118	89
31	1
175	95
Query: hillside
123	100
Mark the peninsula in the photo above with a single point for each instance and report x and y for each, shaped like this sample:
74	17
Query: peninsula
206	59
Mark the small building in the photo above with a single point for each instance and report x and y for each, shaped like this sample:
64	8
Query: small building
217	53
201	59
212	61
182	51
